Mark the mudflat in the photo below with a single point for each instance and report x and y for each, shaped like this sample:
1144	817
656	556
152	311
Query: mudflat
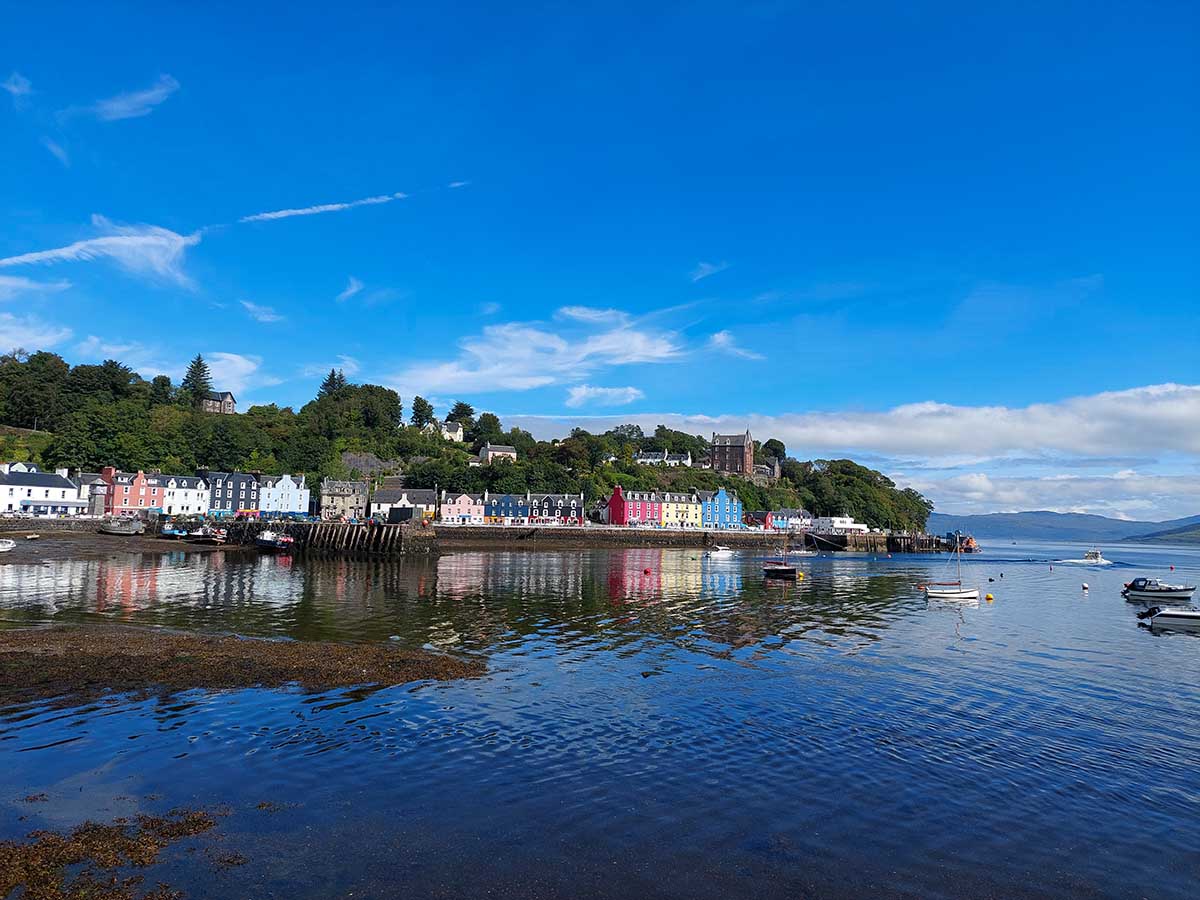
83	662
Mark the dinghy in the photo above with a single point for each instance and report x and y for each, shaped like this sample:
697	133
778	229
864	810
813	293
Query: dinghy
1171	617
6	545
952	590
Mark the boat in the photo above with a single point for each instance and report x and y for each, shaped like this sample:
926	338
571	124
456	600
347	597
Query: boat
6	545
123	526
1171	617
965	541
32	537
1094	556
206	535
717	551
274	542
1153	589
779	570
952	590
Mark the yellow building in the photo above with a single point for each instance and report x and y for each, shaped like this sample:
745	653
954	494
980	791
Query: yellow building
680	511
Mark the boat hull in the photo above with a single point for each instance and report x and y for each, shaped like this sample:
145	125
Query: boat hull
1175	618
787	573
122	529
1180	594
952	593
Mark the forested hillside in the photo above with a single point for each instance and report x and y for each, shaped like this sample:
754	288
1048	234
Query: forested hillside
107	414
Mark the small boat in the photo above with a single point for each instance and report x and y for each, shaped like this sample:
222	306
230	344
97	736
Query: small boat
717	551
206	535
124	526
6	545
952	590
32	537
779	570
274	542
1095	558
1153	589
1171	617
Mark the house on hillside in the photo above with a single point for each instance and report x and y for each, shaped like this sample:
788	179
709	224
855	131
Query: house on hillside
219	402
283	494
732	454
663	458
490	453
343	499
24	488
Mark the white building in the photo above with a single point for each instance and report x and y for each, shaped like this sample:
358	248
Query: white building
24	488
422	502
838	525
283	494
182	495
663	458
453	431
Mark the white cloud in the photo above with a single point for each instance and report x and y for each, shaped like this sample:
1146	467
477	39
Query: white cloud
57	150
139	249
134	104
14	285
261	313
29	333
321	208
238	373
724	342
348	365
592	314
458	184
18	86
353	286
705	269
582	394
519	356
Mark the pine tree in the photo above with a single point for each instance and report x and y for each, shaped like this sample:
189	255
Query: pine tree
197	383
333	385
422	412
462	412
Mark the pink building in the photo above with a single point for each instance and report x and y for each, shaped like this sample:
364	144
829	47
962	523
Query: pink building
462	509
634	508
129	494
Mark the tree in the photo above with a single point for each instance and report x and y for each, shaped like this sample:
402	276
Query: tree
422	412
775	448
463	413
197	383
160	390
333	386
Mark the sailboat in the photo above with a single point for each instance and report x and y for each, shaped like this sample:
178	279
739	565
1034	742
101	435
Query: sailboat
952	590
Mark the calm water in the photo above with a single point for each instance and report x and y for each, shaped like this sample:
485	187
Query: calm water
652	724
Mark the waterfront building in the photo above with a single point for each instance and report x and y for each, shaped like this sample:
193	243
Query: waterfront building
180	495
421	503
506	509
838	525
791	519
343	499
283	494
733	454
25	488
681	510
462	509
219	402
231	493
91	489
634	507
556	509
719	509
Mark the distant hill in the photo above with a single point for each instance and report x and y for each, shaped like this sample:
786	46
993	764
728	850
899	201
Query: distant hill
1188	534
1052	526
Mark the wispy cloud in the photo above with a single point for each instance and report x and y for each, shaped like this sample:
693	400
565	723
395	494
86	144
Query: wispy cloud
146	250
59	152
18	86
238	373
347	365
583	394
724	342
261	313
457	184
705	269
321	208
15	285
30	333
133	104
353	286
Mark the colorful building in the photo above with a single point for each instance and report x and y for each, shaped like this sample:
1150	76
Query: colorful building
283	494
680	510
506	509
719	509
231	493
462	509
26	488
180	495
556	509
634	508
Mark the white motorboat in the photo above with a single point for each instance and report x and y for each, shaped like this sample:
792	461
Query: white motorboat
952	590
718	551
1095	557
1171	617
6	545
1153	589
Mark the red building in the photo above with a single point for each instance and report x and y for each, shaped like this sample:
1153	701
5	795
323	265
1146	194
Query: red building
634	508
733	453
130	494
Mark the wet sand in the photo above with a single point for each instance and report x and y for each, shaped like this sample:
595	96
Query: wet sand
92	545
70	663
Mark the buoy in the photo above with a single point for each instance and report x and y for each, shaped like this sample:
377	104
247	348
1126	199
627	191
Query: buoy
1052	568
800	575
1172	568
1085	587
989	598
645	571
991	580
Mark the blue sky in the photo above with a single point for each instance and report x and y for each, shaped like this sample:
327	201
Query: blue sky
959	244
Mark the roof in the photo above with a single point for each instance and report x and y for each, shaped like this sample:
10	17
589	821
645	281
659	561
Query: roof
732	440
90	477
330	486
677	497
498	448
458	495
187	482
792	513
422	496
36	479
219	395
565	499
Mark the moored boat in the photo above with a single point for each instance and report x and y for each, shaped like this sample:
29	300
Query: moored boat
779	570
1171	617
1153	589
207	535
6	545
123	526
717	551
952	590
274	542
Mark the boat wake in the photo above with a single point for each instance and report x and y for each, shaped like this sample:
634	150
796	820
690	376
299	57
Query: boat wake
1083	562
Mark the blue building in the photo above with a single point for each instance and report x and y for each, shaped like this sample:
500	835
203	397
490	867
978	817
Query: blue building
719	509
232	493
506	509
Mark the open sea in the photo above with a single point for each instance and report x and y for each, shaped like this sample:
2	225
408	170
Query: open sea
652	724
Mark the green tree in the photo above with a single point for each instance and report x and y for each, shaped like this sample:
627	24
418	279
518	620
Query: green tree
161	390
422	412
333	386
463	413
774	448
197	382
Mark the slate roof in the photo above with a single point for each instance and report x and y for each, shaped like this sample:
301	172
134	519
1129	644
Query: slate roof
36	479
497	448
416	496
731	440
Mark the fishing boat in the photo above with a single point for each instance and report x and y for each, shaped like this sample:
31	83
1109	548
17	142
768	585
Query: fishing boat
718	551
123	526
1153	589
779	570
6	545
206	535
1171	617
1095	558
952	590
274	542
